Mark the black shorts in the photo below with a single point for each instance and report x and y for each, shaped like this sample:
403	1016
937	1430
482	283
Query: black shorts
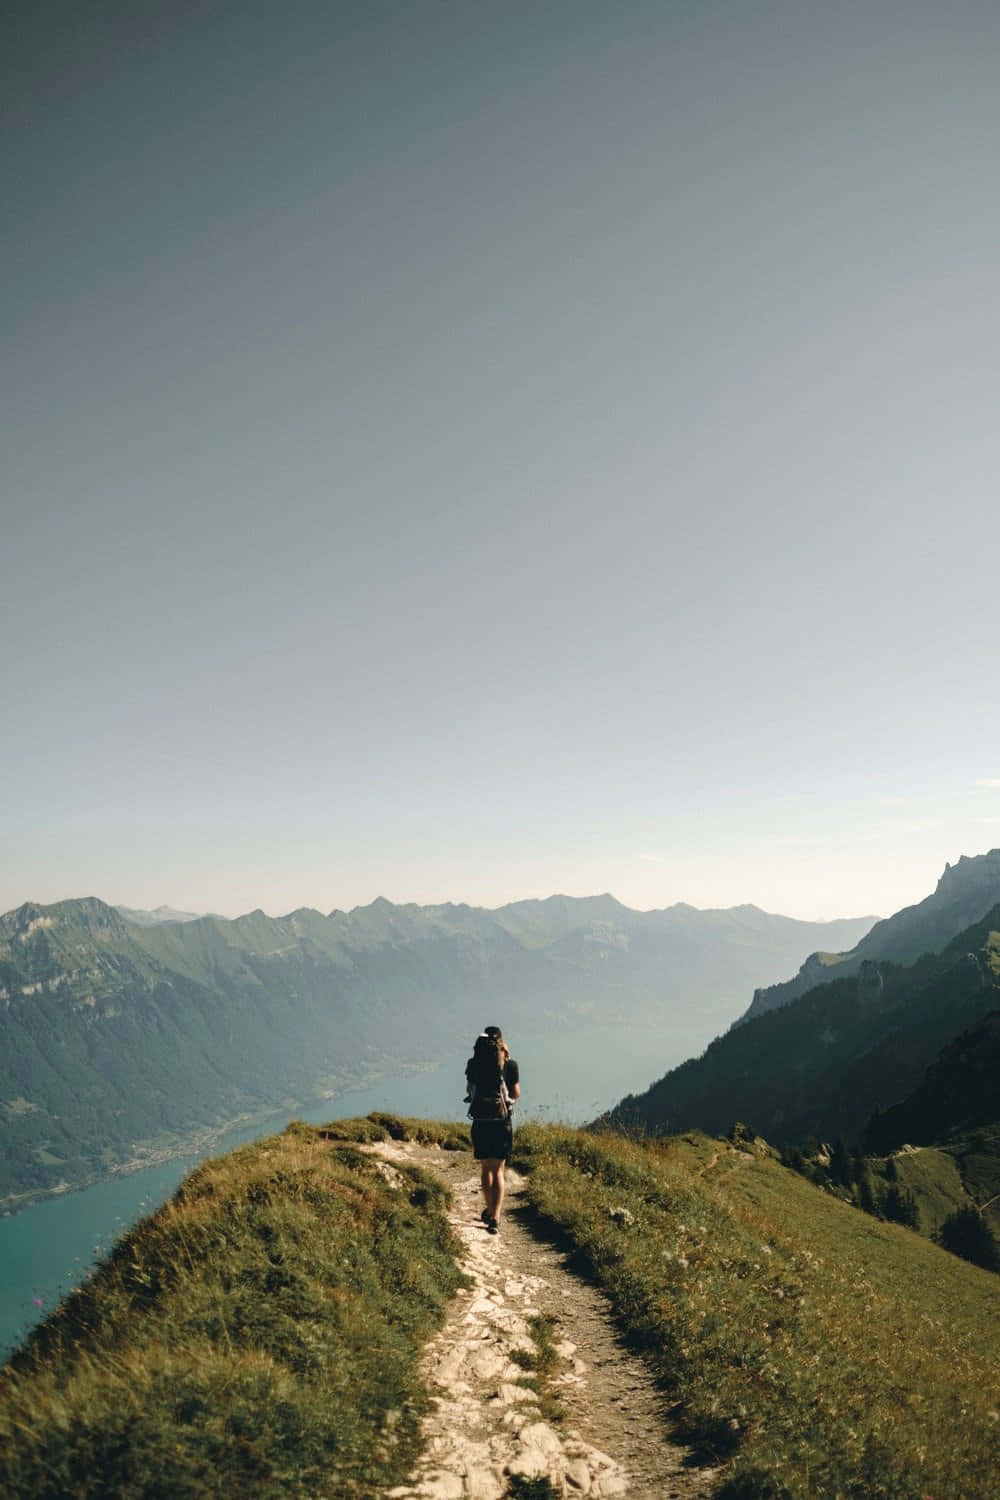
492	1140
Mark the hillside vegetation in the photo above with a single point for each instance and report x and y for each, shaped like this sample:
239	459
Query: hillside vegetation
965	893
829	1354
823	1064
259	1334
256	1336
958	1094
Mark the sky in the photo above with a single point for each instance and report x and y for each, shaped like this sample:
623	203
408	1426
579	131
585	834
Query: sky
471	451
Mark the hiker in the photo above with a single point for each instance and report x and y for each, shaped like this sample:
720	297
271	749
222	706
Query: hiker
492	1081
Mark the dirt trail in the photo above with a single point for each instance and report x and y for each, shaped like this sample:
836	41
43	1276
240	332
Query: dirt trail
486	1427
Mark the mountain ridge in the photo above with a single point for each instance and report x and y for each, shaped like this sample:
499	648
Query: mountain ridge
821	1064
118	1041
964	893
144	916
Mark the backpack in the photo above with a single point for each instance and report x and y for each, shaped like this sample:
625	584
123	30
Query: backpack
487	1092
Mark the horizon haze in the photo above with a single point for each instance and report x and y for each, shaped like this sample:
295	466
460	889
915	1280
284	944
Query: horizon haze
165	912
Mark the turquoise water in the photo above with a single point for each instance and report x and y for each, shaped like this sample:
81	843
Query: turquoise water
48	1249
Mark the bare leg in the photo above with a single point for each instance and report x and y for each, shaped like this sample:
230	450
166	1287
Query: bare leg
493	1185
499	1188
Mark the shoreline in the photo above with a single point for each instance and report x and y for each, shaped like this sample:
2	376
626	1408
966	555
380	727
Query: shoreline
200	1142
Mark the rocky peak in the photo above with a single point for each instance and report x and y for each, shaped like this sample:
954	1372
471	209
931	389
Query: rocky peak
972	873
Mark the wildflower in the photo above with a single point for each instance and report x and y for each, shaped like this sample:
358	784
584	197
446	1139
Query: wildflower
621	1215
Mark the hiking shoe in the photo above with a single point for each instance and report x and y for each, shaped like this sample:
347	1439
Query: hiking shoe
492	1225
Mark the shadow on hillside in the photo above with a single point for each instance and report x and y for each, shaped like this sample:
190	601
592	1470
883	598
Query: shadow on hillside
641	1341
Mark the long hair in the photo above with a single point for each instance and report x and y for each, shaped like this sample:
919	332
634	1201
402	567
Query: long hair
484	1074
488	1051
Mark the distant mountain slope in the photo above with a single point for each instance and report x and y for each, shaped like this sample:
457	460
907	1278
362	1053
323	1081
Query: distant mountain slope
959	1093
158	915
119	1041
823	1063
964	894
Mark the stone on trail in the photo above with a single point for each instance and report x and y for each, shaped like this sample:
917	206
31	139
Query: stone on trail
532	1463
485	1424
485	1364
609	1485
441	1486
484	1485
578	1476
540	1435
508	1394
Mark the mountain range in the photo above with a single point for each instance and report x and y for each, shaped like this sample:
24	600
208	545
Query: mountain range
823	1062
963	895
122	1041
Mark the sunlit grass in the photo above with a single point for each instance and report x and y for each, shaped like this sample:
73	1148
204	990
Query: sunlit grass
257	1335
260	1333
822	1352
541	1364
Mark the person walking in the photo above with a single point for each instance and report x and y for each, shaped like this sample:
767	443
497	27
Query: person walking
493	1082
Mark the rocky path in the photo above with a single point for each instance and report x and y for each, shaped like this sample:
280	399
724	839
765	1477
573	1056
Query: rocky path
486	1425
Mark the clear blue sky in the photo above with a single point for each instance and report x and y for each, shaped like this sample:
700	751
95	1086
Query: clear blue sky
466	451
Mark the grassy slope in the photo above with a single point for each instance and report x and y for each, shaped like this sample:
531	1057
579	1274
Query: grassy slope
257	1335
831	1354
260	1333
933	1177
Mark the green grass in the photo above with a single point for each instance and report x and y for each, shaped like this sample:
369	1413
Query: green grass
258	1335
933	1178
541	1364
978	1159
821	1352
379	1126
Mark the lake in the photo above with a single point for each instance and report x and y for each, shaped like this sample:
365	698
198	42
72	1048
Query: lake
571	1077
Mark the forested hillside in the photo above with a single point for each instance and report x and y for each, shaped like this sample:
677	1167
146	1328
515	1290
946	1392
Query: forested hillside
824	1063
964	894
958	1095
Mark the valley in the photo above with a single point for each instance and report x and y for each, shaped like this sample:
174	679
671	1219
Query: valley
123	1043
